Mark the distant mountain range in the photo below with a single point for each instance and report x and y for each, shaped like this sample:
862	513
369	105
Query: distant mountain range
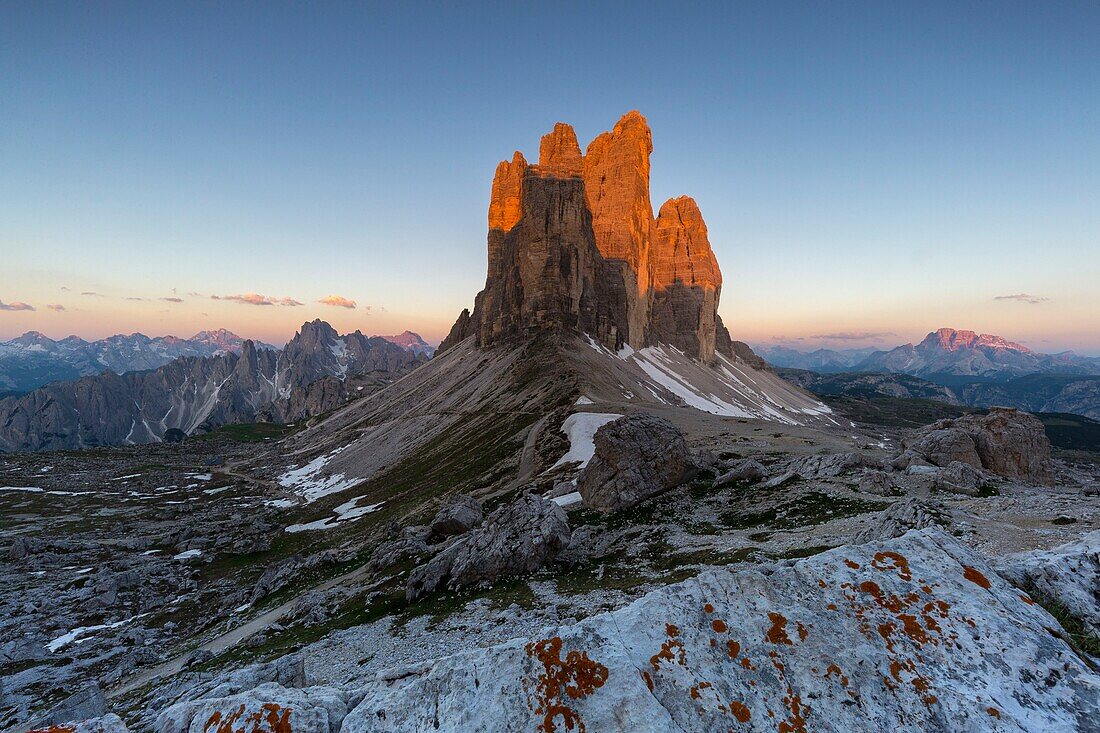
977	369
412	342
946	352
315	372
33	359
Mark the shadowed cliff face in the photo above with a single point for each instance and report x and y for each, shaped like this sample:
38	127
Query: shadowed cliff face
573	243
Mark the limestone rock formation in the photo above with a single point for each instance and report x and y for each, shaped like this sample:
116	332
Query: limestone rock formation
637	456
559	153
915	634
458	514
1068	574
686	281
573	244
546	271
269	707
517	538
1006	441
460	331
902	516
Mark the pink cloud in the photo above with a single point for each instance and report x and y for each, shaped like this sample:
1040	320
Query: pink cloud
338	301
257	299
15	306
56	307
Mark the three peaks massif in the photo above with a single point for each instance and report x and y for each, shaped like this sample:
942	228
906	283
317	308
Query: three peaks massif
573	242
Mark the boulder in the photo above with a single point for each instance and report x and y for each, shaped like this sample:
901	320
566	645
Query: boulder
1068	574
86	704
903	516
269	708
942	445
392	552
878	483
745	470
19	549
517	538
914	634
1005	441
960	478
637	456
831	465
1011	443
107	723
459	514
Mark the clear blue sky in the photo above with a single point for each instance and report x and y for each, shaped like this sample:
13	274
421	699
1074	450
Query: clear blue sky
864	168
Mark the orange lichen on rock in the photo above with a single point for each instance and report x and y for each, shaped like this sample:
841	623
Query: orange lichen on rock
669	644
718	625
852	564
834	669
890	561
573	677
777	634
975	576
994	712
733	649
740	711
270	718
795	722
54	729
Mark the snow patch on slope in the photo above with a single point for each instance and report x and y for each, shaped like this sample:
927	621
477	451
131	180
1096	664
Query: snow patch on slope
581	427
308	482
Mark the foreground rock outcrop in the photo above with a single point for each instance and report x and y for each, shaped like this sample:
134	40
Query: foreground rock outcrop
637	456
914	634
1005	441
573	243
1068	575
517	538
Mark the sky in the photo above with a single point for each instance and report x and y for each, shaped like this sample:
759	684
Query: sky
868	172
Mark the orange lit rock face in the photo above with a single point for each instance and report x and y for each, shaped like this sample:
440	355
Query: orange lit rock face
559	153
685	281
616	176
504	202
548	271
573	242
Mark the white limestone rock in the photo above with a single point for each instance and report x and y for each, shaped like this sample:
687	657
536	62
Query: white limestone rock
912	634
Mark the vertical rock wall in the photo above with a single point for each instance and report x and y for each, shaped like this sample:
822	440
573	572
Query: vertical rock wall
573	243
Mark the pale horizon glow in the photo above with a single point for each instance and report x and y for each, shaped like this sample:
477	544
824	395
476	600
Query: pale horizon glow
868	173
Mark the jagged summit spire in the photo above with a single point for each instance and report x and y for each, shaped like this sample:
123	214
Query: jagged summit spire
559	152
573	243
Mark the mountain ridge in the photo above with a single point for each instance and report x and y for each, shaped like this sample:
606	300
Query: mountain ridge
946	351
33	359
311	375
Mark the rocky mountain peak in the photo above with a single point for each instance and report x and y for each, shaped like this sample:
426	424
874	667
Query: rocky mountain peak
573	242
559	152
950	339
30	338
315	332
504	205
